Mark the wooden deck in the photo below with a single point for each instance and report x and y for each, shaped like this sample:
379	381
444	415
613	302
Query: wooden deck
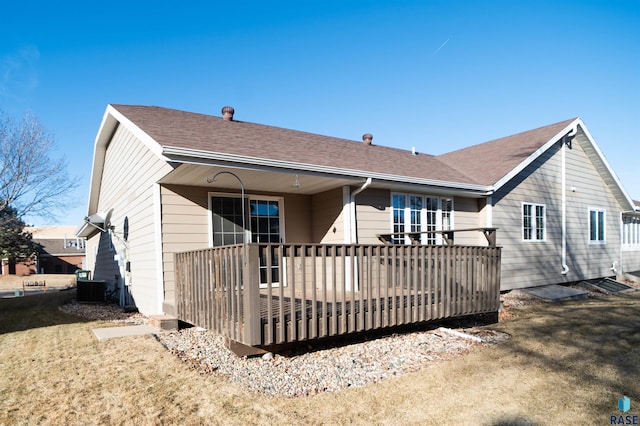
268	294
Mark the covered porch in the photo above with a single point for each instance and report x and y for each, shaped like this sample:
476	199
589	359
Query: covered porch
262	295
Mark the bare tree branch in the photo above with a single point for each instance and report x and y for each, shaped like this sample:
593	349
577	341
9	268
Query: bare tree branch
32	180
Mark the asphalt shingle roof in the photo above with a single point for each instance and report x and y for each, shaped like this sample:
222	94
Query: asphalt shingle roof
57	247
488	162
482	164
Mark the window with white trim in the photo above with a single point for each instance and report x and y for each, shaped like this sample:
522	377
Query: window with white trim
420	213
631	231
597	234
263	222
534	222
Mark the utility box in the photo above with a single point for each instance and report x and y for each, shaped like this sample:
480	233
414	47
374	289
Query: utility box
83	275
91	291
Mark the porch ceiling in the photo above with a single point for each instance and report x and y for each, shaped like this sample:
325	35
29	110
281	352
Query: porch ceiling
255	180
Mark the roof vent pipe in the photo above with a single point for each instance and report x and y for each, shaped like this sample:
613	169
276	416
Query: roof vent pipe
367	138
227	113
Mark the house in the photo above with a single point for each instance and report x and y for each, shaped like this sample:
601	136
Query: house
59	251
166	182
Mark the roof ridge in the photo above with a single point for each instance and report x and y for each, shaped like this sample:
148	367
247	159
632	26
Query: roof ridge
511	135
270	126
501	155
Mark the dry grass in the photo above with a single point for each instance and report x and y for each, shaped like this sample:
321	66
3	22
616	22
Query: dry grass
565	363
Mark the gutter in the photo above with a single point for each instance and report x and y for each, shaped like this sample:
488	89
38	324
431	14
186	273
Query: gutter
193	156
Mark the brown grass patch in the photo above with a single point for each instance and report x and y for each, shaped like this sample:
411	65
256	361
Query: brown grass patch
566	363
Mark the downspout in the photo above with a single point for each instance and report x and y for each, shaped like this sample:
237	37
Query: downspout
352	211
489	216
614	266
566	138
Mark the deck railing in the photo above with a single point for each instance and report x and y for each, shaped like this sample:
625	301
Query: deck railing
269	294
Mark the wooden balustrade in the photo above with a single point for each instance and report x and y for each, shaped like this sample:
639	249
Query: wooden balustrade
268	294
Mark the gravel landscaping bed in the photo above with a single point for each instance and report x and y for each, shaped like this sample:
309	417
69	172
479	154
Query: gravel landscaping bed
315	369
324	370
311	372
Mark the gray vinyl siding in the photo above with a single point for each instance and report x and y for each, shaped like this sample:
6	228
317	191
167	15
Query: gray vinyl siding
630	261
467	215
297	213
186	226
327	218
373	215
127	186
535	263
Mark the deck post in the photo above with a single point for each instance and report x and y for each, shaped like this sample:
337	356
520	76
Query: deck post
251	297
219	288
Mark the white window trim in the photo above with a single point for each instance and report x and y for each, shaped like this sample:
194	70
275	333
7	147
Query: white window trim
604	224
423	215
280	201
248	198
533	217
247	232
630	231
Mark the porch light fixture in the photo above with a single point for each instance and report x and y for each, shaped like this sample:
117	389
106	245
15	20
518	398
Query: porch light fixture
296	183
244	228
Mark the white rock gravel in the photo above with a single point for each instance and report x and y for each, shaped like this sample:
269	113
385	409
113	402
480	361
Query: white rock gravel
311	372
324	370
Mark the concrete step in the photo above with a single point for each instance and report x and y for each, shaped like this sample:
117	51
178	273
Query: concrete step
163	322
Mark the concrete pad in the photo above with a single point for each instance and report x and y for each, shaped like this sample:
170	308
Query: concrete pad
556	293
130	330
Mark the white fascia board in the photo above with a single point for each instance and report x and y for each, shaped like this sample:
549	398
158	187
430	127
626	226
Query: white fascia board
520	167
206	157
573	125
111	119
613	175
147	140
107	127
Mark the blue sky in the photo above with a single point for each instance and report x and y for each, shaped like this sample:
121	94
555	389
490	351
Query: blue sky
437	75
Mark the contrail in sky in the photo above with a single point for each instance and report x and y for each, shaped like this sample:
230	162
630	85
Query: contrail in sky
440	48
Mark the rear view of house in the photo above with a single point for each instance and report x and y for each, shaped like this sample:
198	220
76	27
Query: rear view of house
182	197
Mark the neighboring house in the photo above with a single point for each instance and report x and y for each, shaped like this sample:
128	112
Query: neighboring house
59	251
561	213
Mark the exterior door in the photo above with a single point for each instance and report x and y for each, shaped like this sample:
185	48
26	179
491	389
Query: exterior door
262	222
266	227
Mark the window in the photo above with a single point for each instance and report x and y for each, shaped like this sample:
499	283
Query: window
227	221
597	226
262	221
77	243
631	232
265	221
398	202
533	222
419	213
